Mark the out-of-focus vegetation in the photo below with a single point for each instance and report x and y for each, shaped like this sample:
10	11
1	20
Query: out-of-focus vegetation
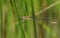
29	18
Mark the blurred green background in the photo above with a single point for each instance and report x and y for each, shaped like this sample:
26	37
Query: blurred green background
29	18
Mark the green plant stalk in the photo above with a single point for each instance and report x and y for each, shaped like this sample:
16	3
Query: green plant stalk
20	5
58	20
18	19
29	7
9	33
30	23
31	13
1	19
36	5
34	21
26	23
23	10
